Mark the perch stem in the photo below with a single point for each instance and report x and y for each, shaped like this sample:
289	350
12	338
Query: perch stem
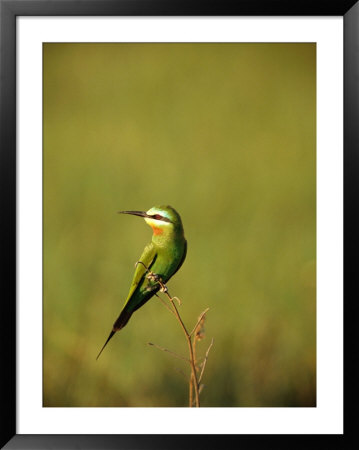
190	347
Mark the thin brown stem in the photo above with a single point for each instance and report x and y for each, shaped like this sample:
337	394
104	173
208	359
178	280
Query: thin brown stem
205	361
165	304
191	390
189	342
194	381
168	351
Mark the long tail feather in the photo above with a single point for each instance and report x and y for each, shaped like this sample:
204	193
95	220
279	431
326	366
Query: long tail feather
122	320
111	334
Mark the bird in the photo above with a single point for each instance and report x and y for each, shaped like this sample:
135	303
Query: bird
160	260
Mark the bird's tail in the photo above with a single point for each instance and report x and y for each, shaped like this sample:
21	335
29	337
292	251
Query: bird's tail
122	320
104	345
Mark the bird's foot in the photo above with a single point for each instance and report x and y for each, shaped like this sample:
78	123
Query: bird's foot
157	279
154	277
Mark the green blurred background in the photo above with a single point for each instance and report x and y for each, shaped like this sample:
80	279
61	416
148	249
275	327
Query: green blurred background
226	134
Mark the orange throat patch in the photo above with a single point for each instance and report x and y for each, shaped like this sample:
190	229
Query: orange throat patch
157	231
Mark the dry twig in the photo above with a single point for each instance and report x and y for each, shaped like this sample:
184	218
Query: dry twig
197	334
168	351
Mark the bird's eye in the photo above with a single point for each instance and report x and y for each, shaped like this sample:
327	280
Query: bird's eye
157	216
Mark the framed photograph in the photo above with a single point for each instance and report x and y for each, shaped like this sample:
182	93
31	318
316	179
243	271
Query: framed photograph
229	131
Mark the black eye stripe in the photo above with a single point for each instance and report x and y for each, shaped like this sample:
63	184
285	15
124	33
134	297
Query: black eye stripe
159	217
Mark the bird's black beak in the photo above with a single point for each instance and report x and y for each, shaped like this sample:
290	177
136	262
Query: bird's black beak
135	213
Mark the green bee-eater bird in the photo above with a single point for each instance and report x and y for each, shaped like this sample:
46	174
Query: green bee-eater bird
163	257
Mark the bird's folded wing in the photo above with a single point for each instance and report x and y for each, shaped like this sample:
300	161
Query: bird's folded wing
147	259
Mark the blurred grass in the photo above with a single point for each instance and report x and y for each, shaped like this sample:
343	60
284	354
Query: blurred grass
225	133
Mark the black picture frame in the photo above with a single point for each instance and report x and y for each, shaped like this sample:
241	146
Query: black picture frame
9	10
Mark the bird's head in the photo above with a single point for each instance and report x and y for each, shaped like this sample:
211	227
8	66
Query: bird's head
160	218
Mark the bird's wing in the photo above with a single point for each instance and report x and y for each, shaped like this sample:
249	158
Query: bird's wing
147	259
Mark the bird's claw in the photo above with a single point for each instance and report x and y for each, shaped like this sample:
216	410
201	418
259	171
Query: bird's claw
153	277
157	279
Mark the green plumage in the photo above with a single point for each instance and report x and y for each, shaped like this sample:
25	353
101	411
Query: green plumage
163	256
